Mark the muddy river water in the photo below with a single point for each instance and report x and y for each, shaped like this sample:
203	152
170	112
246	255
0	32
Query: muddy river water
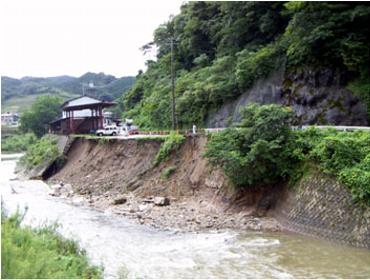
122	245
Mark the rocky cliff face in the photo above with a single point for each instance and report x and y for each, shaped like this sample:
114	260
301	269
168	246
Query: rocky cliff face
316	97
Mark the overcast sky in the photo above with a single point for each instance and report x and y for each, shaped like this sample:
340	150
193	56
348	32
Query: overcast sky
46	38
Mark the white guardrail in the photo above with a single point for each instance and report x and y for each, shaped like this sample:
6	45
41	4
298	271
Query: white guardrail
339	127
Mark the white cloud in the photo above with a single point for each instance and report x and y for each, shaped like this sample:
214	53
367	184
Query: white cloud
70	37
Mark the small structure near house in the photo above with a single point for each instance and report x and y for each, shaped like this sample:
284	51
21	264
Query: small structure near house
83	114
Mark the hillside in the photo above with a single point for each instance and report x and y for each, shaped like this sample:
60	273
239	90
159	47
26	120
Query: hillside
311	56
18	94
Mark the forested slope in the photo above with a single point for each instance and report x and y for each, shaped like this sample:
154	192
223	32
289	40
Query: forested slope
223	48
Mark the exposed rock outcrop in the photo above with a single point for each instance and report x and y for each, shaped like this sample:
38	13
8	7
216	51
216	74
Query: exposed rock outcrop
316	97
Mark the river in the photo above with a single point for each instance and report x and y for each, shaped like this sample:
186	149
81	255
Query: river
122	245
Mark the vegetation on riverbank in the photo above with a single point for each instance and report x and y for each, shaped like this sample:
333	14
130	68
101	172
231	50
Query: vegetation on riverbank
263	151
345	155
45	149
17	143
172	143
40	253
256	153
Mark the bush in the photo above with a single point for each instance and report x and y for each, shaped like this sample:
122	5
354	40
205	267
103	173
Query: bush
45	149
17	143
41	253
257	154
345	155
336	152
172	143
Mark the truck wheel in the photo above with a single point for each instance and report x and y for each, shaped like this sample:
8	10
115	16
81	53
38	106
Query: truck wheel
114	134
100	134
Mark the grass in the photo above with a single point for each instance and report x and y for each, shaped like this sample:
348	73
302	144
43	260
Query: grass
45	149
172	143
41	253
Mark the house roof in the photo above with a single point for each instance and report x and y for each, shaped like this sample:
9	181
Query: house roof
77	97
86	102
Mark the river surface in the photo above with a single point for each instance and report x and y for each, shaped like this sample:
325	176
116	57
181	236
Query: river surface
122	245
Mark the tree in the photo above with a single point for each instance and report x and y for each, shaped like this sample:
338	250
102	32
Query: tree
44	110
256	154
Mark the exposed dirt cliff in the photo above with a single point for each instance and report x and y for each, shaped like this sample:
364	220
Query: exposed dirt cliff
200	196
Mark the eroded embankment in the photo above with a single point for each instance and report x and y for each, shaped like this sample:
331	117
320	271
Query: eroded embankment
201	197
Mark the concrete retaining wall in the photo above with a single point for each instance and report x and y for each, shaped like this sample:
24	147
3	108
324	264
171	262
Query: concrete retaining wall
322	207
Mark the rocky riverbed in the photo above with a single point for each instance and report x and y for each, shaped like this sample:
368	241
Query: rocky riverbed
188	214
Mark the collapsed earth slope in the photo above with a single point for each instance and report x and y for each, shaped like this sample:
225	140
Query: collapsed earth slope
105	171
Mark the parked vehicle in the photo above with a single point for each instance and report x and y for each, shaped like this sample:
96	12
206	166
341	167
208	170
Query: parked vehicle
132	130
108	130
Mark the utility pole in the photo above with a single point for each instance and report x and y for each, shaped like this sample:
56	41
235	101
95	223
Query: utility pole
174	120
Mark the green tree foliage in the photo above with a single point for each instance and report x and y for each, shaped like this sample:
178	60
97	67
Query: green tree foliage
252	66
40	253
256	153
44	110
263	151
223	48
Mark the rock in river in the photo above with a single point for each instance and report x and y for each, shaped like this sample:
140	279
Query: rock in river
161	201
120	200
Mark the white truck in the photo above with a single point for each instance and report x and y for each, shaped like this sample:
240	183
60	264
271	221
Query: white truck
109	130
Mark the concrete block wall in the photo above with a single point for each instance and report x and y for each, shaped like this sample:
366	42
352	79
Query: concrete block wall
322	207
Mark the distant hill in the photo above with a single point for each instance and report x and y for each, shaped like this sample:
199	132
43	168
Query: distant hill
18	94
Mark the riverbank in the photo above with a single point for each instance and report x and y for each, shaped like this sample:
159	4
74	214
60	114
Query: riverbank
190	214
201	197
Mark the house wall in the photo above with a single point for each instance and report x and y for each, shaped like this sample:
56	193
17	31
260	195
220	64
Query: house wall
79	113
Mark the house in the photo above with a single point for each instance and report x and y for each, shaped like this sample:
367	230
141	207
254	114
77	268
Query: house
9	119
83	114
